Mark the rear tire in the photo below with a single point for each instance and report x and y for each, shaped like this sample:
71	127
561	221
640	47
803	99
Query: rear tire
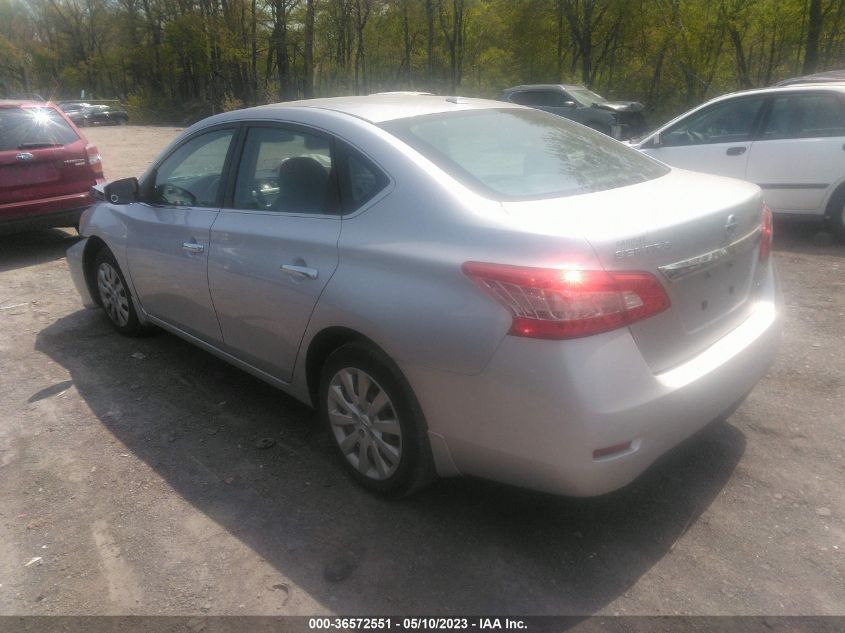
374	421
114	296
836	213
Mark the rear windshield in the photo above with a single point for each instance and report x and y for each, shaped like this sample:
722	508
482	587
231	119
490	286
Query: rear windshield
522	154
31	128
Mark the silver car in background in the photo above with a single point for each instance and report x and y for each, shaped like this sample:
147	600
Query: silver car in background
458	286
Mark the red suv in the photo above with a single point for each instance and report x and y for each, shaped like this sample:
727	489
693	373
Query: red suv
46	167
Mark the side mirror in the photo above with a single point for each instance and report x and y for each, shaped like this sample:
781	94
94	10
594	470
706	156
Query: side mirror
570	104
655	140
123	191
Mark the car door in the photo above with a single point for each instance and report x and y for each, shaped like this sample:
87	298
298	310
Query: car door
168	233
715	140
800	152
274	246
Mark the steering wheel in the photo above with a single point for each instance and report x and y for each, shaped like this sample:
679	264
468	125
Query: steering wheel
176	195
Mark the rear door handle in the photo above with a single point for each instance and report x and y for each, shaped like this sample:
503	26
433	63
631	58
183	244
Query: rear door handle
735	151
302	272
193	247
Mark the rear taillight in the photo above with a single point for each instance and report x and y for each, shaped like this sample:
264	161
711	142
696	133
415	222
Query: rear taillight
767	233
94	160
562	304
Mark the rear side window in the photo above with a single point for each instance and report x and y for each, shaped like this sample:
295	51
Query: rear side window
516	154
805	116
32	128
360	180
286	170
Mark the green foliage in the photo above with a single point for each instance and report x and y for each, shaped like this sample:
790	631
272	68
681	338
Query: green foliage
179	60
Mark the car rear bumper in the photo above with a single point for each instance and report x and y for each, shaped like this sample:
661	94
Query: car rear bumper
539	410
44	212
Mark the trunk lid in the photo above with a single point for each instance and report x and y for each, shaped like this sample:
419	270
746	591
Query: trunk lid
697	234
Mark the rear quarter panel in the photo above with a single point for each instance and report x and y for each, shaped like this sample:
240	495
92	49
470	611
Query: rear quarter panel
399	280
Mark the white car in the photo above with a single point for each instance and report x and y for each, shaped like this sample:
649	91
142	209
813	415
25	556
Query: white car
788	140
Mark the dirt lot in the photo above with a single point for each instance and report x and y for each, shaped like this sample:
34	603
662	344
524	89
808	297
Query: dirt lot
131	481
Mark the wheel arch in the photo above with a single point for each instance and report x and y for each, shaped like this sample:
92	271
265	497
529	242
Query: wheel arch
93	246
837	195
321	346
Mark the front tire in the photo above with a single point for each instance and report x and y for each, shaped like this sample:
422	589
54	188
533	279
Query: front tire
114	296
374	421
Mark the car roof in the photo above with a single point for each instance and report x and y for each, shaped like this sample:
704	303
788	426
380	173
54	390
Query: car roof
825	76
21	103
543	87
379	108
804	87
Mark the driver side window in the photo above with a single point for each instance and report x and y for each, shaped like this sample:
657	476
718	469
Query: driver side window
728	122
190	176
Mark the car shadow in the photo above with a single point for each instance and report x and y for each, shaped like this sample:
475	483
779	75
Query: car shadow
460	546
806	237
22	250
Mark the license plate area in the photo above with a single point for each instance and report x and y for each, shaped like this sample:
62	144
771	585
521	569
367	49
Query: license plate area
715	292
27	174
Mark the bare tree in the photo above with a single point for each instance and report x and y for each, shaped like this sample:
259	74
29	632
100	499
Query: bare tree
814	31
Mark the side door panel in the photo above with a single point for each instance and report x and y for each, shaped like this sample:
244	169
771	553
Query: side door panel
273	252
800	153
263	309
168	236
710	159
715	140
170	279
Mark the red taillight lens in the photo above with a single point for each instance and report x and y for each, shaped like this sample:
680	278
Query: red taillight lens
562	304
94	160
767	234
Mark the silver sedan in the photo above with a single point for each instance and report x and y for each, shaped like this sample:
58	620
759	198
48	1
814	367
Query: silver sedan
458	286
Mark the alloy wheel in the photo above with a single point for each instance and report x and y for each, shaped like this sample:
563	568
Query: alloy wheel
364	423
113	294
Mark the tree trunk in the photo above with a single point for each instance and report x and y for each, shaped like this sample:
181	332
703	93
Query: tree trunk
362	14
309	49
429	16
406	37
814	31
253	61
280	42
741	64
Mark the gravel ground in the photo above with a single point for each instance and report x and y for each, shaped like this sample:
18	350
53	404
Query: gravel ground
132	482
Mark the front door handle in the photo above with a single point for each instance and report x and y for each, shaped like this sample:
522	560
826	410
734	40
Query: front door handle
302	272
735	151
193	247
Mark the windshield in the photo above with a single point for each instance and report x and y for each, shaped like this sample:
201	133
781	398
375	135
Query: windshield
31	128
519	154
586	97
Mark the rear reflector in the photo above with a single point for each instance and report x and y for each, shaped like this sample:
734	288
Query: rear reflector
611	450
551	303
767	234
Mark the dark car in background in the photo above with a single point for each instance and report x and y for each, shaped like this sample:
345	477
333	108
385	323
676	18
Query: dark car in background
75	111
47	167
104	115
619	119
